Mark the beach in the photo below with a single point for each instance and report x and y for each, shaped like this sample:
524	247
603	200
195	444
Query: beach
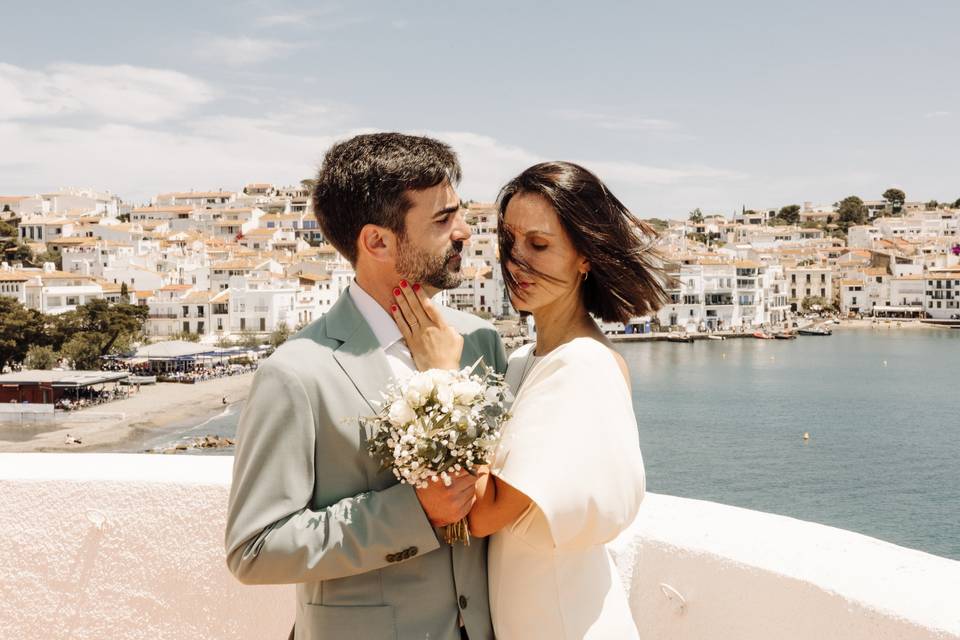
151	409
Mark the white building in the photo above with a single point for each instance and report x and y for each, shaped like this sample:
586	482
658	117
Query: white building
942	293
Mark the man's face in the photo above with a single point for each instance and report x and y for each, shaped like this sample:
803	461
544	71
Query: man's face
429	251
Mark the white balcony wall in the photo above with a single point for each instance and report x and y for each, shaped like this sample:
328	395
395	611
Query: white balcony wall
131	546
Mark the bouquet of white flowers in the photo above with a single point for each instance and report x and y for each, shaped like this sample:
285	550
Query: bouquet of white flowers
437	423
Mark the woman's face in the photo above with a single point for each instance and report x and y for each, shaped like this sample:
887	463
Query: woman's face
541	240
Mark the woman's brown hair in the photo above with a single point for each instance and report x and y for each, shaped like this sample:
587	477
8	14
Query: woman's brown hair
626	279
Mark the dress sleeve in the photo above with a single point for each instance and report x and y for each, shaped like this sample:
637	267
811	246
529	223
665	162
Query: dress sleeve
572	446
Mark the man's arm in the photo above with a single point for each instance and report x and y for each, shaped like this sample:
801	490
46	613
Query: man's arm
272	535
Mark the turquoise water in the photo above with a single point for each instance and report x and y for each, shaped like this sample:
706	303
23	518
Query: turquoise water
724	421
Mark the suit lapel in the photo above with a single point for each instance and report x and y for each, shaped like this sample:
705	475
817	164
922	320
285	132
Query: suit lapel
359	355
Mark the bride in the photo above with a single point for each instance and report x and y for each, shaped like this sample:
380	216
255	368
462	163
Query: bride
568	474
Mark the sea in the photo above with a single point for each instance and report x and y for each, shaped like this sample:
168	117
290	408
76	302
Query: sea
725	421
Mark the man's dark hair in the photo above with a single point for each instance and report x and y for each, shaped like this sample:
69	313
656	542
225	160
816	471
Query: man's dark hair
626	278
362	181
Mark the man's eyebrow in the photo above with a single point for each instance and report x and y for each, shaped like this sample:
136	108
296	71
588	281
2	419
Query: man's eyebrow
453	208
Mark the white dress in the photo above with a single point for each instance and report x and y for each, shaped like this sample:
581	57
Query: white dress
572	446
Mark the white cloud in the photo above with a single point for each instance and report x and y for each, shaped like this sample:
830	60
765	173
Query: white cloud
242	50
616	122
121	93
937	114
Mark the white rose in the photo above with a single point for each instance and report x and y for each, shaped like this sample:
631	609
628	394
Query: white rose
419	388
466	391
401	413
445	395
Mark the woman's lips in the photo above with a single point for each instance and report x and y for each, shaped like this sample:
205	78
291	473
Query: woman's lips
524	285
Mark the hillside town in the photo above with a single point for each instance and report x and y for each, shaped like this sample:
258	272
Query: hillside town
214	265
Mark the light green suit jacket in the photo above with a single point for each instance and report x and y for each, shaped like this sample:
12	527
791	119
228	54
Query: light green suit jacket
309	506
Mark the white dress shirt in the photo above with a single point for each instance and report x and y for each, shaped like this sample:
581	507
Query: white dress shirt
386	332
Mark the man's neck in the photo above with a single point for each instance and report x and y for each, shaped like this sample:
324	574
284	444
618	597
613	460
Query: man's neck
379	291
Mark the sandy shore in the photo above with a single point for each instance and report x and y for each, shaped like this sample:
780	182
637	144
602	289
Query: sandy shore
155	406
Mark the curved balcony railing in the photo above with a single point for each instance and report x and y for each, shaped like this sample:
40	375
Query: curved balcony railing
130	545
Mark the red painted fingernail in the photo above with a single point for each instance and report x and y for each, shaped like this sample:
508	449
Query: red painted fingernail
403	283
394	308
396	292
416	287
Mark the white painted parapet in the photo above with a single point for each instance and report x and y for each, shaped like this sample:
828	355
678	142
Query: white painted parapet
130	546
124	546
696	569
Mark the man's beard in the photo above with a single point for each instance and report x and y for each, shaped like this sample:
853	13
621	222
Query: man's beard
417	265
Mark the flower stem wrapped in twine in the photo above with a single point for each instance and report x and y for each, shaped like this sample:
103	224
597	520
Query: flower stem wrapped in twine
457	532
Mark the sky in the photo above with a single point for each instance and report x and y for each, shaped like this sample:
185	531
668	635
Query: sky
675	105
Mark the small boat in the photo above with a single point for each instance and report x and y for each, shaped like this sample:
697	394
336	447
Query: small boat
715	338
760	335
785	335
815	331
679	338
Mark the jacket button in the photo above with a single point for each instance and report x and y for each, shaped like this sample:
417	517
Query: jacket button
391	557
463	602
413	551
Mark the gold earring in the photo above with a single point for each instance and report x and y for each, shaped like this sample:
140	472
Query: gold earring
585	274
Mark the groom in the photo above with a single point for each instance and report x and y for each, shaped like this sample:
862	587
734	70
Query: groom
308	505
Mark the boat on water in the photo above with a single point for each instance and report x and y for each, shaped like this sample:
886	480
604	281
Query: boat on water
679	338
815	331
785	335
716	338
760	335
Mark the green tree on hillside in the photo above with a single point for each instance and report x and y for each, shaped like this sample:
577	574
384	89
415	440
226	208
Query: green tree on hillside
896	198
850	212
20	328
696	216
790	214
106	327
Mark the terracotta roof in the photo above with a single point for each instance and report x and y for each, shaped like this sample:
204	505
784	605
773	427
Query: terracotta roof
176	287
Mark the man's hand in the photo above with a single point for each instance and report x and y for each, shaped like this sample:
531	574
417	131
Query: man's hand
446	505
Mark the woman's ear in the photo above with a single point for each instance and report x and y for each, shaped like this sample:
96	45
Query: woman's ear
378	243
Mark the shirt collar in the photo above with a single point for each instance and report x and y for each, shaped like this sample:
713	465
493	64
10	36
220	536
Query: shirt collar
382	325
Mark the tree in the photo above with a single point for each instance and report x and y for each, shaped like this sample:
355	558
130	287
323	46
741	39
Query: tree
16	252
81	353
20	328
659	225
50	255
896	198
224	342
249	339
932	205
124	293
696	216
7	230
279	335
39	357
851	211
790	214
108	327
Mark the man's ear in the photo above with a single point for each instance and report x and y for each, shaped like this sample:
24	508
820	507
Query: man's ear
379	243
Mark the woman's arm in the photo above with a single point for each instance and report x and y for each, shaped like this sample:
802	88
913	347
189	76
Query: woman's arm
498	505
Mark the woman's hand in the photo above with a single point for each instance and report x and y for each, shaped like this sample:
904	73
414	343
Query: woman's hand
432	342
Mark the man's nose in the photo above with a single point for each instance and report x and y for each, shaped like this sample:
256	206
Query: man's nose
461	230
